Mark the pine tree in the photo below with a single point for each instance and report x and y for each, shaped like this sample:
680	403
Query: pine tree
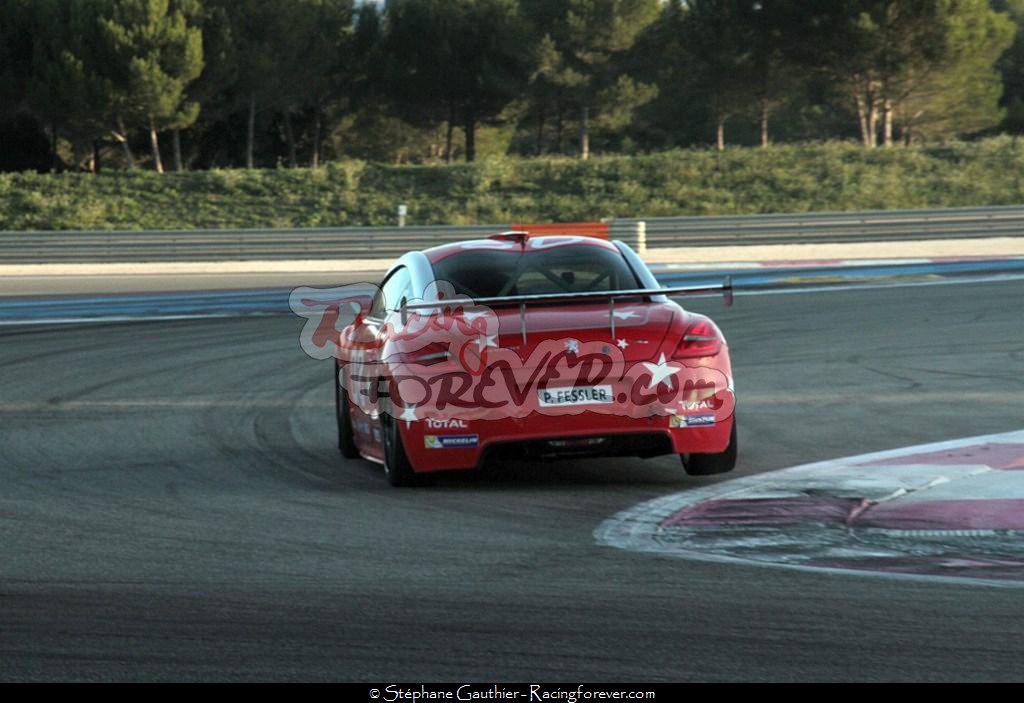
960	91
1011	67
248	48
590	40
66	90
454	61
719	38
315	62
158	52
925	66
15	56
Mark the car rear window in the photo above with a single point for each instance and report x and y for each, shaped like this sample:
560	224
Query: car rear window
568	269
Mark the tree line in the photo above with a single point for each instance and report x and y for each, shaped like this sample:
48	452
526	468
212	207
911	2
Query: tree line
193	84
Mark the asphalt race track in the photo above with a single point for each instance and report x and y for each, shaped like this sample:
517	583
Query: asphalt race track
173	506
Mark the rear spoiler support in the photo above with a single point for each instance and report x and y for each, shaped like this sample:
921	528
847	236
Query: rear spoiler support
611	295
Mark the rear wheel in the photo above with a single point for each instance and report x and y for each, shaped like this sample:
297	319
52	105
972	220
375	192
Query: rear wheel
346	442
710	464
397	468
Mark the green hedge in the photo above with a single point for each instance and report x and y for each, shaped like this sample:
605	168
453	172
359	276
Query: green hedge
797	178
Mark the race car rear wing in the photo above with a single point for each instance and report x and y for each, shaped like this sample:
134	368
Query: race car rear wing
586	297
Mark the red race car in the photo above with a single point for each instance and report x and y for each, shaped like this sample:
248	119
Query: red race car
538	347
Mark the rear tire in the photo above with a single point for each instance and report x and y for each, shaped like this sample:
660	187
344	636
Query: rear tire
397	468
346	440
711	464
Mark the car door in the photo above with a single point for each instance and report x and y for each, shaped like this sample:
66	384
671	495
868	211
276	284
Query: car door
367	426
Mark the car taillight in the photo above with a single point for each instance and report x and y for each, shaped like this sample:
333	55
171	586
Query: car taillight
700	339
427	356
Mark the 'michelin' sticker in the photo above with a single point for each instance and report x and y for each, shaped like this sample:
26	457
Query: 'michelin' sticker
461	441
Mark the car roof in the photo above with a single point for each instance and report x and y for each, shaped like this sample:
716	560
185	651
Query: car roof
504	242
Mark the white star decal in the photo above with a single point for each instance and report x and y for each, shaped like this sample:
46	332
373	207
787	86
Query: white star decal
661	372
572	346
409	415
622	344
487	341
625	315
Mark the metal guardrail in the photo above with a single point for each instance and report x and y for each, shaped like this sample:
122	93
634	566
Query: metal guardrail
839	227
219	245
389	242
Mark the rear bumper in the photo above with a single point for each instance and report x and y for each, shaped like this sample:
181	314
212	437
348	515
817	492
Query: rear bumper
432	447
